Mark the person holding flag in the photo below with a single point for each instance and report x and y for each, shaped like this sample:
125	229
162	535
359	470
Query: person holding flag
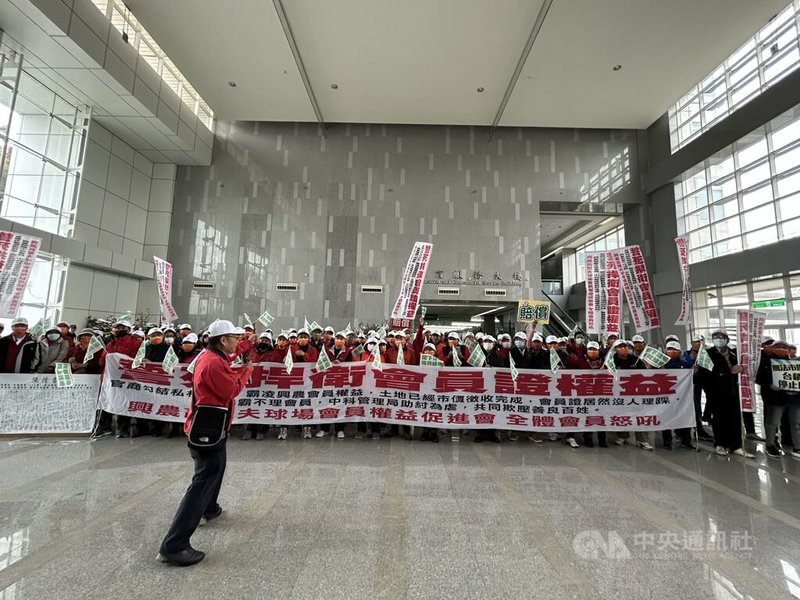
673	350
339	353
214	383
122	343
454	353
625	359
590	360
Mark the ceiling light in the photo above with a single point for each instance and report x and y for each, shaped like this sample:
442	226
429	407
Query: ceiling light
232	83
549	254
608	220
616	67
480	89
334	86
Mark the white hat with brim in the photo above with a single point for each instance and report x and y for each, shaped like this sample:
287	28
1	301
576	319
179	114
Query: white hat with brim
191	338
551	339
154	331
185	326
673	345
223	327
19	321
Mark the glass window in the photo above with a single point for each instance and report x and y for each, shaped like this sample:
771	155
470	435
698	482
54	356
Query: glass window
759	62
757	196
755	175
787	160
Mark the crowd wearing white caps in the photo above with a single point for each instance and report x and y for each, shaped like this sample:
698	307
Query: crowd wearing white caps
20	353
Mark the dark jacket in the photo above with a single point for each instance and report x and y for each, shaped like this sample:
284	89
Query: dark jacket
27	354
156	352
719	382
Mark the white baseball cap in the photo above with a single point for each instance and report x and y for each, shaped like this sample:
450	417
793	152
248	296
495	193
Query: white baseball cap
637	338
185	326
537	337
593	346
551	339
20	321
453	336
520	335
673	345
154	331
191	338
223	327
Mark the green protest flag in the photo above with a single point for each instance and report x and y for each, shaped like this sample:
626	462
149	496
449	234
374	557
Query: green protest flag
376	360
609	363
476	357
555	361
423	310
170	361
703	359
470	343
288	361
514	371
237	361
358	351
94	345
64	375
139	358
314	325
306	324
654	357
324	361
265	319
349	328
401	358
247	320
190	368
426	360
381	333
456	357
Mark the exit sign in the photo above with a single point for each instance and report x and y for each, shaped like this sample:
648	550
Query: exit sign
769	303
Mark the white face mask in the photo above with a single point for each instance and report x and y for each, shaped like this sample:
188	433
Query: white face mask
506	345
519	344
53	336
720	342
579	341
487	345
169	340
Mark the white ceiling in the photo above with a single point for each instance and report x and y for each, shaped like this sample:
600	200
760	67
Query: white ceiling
420	61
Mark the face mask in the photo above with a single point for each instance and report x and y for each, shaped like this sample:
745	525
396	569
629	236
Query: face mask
187	347
121	333
487	345
506	345
519	344
720	342
156	340
580	341
169	340
370	348
302	342
53	336
263	347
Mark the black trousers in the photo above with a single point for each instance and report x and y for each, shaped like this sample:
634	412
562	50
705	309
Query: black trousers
200	498
685	436
726	421
698	411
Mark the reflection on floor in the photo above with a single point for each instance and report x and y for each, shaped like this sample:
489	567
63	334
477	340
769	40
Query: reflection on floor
327	518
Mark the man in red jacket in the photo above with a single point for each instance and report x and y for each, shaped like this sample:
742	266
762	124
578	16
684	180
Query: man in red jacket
214	383
122	343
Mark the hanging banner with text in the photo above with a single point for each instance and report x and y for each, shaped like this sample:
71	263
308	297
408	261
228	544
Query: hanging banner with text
636	285
685	318
164	284
450	398
786	374
35	404
406	305
603	294
749	328
17	253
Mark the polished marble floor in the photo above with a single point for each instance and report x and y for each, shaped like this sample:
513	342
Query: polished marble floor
395	519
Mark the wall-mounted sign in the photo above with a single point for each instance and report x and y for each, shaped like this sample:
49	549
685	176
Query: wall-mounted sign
476	277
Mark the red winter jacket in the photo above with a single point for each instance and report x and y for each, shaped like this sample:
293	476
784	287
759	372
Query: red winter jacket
409	356
310	356
127	344
215	383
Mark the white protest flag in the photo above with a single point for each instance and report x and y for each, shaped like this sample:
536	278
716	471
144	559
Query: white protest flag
427	360
17	254
306	324
476	357
609	363
456	357
654	357
64	375
170	360
703	359
423	310
401	359
247	319
41	326
682	244
265	319
164	285
139	358
376	358
750	328
94	345
411	285
349	328
289	361
314	325
323	361
555	361
636	285
513	365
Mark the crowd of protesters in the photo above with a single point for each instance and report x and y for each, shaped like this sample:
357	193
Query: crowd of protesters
530	349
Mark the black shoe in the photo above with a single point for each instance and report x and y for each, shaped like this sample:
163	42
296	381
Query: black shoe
171	434
136	433
435	438
587	441
773	452
689	446
123	433
156	433
493	438
755	437
408	437
184	558
211	516
425	437
602	444
101	432
478	439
